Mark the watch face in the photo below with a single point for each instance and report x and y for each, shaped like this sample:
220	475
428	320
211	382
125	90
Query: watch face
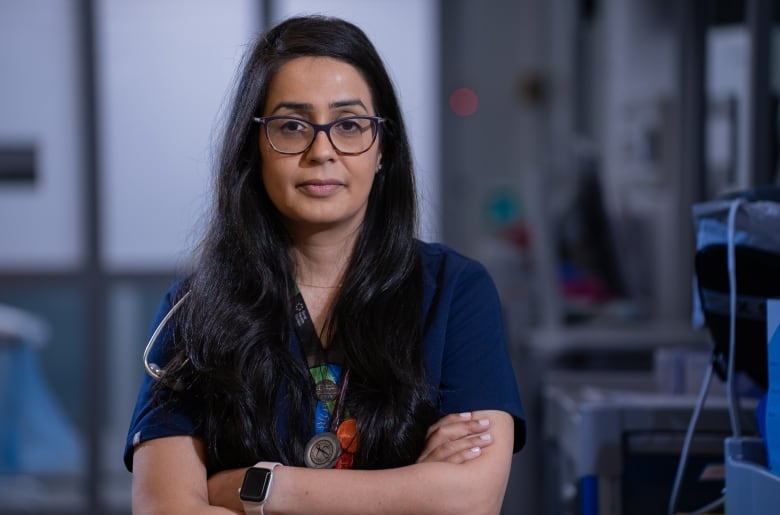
257	482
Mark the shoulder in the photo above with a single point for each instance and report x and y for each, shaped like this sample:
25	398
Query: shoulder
177	290
443	266
160	331
455	285
438	256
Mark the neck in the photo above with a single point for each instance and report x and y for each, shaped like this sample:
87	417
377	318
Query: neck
320	259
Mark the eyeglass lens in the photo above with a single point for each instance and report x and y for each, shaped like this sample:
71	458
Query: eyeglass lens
350	136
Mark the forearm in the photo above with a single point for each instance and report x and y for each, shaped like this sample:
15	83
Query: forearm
475	486
426	488
169	478
175	505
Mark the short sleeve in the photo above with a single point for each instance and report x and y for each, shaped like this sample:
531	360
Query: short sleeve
159	412
465	343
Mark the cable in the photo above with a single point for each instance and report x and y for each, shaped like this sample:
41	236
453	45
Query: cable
705	386
733	401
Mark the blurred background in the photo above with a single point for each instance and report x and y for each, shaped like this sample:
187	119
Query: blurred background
562	143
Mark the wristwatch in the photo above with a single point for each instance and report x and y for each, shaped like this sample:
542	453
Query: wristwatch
256	488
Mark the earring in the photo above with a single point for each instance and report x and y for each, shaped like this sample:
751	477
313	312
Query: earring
378	168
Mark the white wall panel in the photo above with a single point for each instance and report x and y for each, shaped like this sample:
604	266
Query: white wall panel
165	71
40	106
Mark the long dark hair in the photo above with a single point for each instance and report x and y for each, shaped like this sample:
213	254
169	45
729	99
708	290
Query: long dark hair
233	340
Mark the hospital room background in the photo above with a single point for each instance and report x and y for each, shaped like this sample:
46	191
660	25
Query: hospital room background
586	151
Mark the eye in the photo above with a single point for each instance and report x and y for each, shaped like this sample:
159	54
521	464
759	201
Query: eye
291	125
351	125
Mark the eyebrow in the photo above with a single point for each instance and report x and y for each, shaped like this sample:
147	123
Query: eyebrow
303	106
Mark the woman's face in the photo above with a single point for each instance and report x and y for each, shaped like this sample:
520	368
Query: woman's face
320	188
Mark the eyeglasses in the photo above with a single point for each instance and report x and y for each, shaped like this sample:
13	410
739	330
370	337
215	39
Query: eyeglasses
351	135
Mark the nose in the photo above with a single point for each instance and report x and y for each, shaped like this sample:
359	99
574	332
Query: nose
321	149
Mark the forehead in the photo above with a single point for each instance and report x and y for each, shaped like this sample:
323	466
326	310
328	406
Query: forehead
317	81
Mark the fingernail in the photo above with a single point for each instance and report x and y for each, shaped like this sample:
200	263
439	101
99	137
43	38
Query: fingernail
484	422
465	415
476	450
486	437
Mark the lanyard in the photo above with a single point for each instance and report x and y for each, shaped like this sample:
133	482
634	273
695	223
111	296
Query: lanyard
318	358
311	345
335	440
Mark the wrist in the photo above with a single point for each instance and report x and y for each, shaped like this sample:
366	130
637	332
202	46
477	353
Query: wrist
256	488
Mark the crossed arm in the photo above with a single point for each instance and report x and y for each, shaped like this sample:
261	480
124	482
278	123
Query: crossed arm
463	469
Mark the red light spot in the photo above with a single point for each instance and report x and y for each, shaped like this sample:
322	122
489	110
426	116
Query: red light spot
464	102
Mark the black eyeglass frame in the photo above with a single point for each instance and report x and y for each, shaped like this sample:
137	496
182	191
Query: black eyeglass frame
376	125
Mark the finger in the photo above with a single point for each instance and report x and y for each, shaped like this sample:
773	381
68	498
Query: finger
452	422
452	418
452	433
456	451
455	429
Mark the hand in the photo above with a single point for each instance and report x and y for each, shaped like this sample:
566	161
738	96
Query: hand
456	438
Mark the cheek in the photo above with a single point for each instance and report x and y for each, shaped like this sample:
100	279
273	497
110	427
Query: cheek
368	181
272	172
274	184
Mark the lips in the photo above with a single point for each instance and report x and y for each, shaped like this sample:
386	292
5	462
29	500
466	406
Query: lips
320	187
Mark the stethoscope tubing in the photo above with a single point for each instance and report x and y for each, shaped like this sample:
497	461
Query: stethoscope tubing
154	370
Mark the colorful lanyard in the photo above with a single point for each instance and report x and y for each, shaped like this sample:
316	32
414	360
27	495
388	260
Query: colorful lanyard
335	440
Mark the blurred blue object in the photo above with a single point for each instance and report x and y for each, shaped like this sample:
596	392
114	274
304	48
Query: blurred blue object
35	435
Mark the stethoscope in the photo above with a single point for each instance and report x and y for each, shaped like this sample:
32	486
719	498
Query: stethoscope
153	369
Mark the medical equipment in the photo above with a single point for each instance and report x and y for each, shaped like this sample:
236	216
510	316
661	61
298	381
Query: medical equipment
153	369
741	228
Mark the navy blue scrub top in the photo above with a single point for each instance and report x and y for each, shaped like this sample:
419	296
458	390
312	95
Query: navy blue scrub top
464	351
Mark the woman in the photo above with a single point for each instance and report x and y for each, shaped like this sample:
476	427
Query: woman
323	359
